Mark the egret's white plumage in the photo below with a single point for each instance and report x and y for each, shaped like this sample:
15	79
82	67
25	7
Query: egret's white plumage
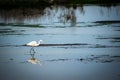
34	43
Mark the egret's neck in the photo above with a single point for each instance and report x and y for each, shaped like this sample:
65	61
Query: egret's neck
40	42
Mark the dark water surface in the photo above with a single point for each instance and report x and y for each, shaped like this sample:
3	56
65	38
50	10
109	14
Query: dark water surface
80	43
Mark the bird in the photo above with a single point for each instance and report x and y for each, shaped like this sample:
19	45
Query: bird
34	43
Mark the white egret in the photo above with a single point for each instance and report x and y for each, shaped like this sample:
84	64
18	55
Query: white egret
34	43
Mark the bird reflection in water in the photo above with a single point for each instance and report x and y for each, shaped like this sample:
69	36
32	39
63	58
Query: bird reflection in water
33	60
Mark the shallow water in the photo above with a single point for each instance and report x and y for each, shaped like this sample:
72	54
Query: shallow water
79	43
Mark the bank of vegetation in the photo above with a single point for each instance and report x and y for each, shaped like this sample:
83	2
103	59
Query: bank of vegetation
38	3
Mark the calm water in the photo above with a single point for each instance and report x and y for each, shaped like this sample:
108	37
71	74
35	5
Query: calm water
83	43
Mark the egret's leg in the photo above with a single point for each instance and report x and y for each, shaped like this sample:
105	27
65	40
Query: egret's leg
30	50
32	55
33	50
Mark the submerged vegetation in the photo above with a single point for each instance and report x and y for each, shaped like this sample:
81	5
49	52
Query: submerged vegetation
38	3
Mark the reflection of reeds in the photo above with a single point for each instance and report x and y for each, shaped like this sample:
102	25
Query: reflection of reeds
19	15
62	14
